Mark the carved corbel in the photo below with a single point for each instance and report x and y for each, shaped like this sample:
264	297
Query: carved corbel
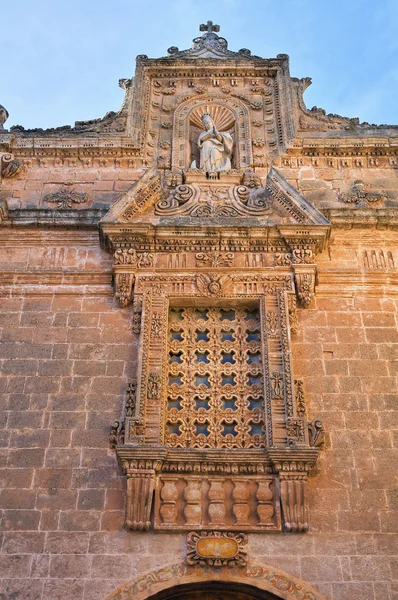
292	466
140	488
305	277
140	466
294	502
123	288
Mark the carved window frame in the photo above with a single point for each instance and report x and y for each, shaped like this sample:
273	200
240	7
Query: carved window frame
156	293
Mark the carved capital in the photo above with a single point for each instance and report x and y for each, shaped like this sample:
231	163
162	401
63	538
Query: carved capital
296	461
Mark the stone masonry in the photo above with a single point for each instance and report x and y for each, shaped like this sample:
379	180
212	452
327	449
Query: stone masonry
68	352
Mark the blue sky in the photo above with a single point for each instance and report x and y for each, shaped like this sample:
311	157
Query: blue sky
62	59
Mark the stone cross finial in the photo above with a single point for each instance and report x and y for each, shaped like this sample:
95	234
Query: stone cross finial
209	27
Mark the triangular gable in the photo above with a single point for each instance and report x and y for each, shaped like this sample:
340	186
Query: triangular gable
292	202
142	194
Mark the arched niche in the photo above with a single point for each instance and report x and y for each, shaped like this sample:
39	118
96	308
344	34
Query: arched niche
261	581
230	115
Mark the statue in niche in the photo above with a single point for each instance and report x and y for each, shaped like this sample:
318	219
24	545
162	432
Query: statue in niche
215	147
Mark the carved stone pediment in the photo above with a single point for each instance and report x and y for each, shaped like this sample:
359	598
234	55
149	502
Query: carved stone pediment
197	195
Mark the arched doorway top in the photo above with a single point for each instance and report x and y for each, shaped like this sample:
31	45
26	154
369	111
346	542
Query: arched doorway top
259	577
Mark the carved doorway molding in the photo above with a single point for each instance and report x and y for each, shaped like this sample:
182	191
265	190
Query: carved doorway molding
249	583
214	591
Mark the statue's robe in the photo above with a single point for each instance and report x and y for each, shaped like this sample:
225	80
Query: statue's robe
215	155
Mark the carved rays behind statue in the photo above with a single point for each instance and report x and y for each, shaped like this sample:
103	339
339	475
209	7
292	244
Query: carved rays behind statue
222	117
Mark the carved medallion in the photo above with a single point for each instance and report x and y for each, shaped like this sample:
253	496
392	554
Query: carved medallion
217	549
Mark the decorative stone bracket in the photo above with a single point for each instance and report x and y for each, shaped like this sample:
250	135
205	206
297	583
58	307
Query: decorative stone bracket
293	468
9	166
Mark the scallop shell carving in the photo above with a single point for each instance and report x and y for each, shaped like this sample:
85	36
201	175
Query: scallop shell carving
223	118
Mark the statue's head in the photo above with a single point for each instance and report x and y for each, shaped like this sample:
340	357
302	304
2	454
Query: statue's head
207	121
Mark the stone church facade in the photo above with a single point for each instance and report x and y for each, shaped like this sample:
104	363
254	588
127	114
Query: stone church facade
199	343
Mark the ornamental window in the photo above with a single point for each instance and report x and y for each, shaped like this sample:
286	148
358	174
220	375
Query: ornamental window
215	390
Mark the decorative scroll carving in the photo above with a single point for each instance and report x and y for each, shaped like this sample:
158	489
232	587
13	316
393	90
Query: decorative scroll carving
215	502
272	324
137	314
292	308
215	200
300	397
125	256
123	287
362	198
303	256
295	431
116	434
215	392
144	260
153	386
9	166
131	399
177	197
156	324
316	433
214	259
218	549
283	260
65	198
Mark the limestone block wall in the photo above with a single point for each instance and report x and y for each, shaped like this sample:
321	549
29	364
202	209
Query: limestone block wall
101	181
66	354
